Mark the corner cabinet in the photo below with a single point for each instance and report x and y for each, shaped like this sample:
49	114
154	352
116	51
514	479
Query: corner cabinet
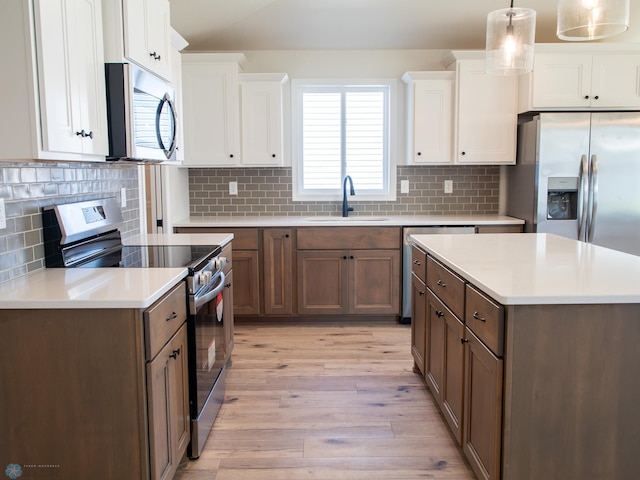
211	109
429	117
582	80
486	114
261	119
140	31
53	97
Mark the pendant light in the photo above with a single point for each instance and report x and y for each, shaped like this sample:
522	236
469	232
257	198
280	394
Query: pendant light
580	20
510	39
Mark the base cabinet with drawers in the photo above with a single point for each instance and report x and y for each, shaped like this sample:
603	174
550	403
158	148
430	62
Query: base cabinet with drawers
463	341
100	393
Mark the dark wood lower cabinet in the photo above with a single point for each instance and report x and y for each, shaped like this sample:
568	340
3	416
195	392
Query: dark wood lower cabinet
418	323
483	409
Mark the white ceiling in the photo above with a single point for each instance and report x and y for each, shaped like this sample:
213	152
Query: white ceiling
237	25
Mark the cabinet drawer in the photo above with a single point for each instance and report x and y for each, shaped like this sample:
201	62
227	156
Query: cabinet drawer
419	263
163	319
486	319
446	285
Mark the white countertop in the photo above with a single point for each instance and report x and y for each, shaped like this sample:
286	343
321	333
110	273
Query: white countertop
351	220
531	269
102	287
89	288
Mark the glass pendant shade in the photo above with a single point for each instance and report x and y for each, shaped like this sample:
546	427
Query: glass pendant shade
580	20
510	40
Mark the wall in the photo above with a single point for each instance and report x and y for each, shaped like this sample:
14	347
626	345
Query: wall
28	186
267	191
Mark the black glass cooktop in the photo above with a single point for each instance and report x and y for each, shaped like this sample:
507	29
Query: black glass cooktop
167	256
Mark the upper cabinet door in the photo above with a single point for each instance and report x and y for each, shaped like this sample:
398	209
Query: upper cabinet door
211	108
430	117
71	76
561	80
147	35
486	115
615	81
261	119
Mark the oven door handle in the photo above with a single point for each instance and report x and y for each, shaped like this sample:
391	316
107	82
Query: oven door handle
198	301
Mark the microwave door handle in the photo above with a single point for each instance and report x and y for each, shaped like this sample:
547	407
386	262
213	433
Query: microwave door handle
174	134
583	198
593	196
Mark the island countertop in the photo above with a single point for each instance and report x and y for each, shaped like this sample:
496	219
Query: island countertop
538	269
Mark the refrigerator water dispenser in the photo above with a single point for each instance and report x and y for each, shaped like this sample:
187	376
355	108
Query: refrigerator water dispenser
562	198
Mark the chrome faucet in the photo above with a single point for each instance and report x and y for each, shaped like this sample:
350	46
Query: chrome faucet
345	204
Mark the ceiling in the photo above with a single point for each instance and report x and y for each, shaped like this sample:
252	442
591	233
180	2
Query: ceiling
238	25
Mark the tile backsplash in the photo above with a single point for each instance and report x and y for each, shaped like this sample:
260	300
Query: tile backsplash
27	187
268	191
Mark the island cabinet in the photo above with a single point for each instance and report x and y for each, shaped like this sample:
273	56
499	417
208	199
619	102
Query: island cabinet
348	270
418	309
96	393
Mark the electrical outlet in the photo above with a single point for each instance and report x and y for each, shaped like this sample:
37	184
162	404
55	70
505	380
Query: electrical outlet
3	215
404	186
448	186
233	188
123	197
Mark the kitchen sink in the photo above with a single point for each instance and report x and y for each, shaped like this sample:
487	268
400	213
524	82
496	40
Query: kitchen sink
348	219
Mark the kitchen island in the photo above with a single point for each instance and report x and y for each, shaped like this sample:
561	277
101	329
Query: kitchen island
534	360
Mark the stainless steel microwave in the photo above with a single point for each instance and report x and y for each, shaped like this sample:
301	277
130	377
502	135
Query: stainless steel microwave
141	115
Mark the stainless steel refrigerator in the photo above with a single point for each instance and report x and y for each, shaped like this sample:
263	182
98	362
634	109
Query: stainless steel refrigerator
577	174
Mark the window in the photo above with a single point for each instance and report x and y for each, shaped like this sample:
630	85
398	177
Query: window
342	130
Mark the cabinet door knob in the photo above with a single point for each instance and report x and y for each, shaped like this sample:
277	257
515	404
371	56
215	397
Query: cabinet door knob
175	353
155	55
586	97
421	292
463	153
81	133
273	155
478	317
597	97
464	340
351	257
344	257
419	153
417	262
441	283
286	235
90	134
231	155
439	313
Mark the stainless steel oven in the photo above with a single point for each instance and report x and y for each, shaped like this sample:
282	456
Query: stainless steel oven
85	234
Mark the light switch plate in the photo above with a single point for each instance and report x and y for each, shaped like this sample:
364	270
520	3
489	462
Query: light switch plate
233	188
404	186
3	215
448	186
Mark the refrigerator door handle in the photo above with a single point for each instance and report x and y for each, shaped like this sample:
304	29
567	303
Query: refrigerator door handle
583	198
593	196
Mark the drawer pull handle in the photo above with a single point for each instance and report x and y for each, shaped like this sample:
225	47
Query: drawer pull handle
175	353
441	283
464	340
439	313
173	316
478	317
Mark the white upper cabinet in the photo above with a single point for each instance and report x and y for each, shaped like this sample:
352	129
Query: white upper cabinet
486	116
211	109
582	79
139	31
261	119
53	96
429	117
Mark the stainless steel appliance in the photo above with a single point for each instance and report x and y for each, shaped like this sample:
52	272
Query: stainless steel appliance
577	175
141	115
406	260
85	234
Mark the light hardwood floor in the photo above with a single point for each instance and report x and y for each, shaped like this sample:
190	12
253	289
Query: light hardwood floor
326	401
